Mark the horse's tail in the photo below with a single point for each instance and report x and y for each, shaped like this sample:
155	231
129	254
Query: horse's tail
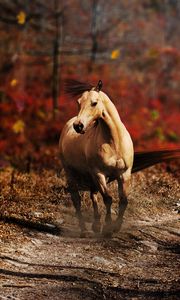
145	159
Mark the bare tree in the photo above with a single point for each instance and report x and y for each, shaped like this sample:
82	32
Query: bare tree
56	56
94	32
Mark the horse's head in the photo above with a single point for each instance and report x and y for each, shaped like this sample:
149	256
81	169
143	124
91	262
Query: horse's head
90	109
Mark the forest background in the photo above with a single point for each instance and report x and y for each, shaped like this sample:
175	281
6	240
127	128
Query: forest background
131	45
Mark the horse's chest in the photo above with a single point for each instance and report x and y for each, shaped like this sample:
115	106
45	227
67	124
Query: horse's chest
107	155
104	158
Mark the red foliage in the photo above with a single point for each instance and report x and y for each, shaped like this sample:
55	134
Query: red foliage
29	129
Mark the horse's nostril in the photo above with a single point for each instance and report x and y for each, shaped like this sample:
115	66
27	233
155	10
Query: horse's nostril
81	126
78	127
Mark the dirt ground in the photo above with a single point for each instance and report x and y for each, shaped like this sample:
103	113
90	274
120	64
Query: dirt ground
43	257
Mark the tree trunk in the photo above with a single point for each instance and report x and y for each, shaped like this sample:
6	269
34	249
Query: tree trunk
56	60
94	47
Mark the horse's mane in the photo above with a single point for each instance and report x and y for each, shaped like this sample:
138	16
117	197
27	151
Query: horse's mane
75	87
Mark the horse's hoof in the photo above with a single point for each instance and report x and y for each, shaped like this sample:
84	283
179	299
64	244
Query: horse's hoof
107	234
96	227
116	227
84	234
107	231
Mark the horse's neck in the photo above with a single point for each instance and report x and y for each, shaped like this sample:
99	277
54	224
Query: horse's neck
113	121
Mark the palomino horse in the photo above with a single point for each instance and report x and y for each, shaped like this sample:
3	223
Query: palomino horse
96	148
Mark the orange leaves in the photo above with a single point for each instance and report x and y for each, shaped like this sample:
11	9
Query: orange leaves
115	54
21	17
13	82
41	114
153	53
18	126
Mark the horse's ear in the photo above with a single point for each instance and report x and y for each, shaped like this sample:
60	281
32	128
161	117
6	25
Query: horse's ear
98	86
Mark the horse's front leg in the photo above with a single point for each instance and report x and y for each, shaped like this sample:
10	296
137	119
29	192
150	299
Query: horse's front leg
76	199
101	183
123	202
96	226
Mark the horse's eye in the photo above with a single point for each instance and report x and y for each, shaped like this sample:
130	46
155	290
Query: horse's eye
93	103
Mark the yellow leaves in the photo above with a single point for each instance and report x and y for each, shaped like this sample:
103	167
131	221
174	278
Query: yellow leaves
115	54
41	114
155	114
14	82
160	134
153	53
21	17
173	136
18	126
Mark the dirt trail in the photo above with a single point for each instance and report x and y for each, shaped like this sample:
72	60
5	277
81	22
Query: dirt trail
52	262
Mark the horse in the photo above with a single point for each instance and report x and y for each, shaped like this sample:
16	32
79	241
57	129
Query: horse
95	149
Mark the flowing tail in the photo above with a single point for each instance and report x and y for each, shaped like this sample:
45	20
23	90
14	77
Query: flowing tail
146	159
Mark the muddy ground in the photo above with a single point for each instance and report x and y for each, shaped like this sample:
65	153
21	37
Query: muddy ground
43	257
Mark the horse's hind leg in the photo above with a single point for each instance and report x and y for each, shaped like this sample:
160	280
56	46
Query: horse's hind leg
96	226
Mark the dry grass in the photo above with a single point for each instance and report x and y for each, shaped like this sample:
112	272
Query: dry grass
42	196
141	258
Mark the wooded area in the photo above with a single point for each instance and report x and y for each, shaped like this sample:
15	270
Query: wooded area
132	46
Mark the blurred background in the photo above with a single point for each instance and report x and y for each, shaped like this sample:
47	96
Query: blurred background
131	45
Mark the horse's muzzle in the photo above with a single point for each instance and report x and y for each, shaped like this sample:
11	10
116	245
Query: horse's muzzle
78	127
